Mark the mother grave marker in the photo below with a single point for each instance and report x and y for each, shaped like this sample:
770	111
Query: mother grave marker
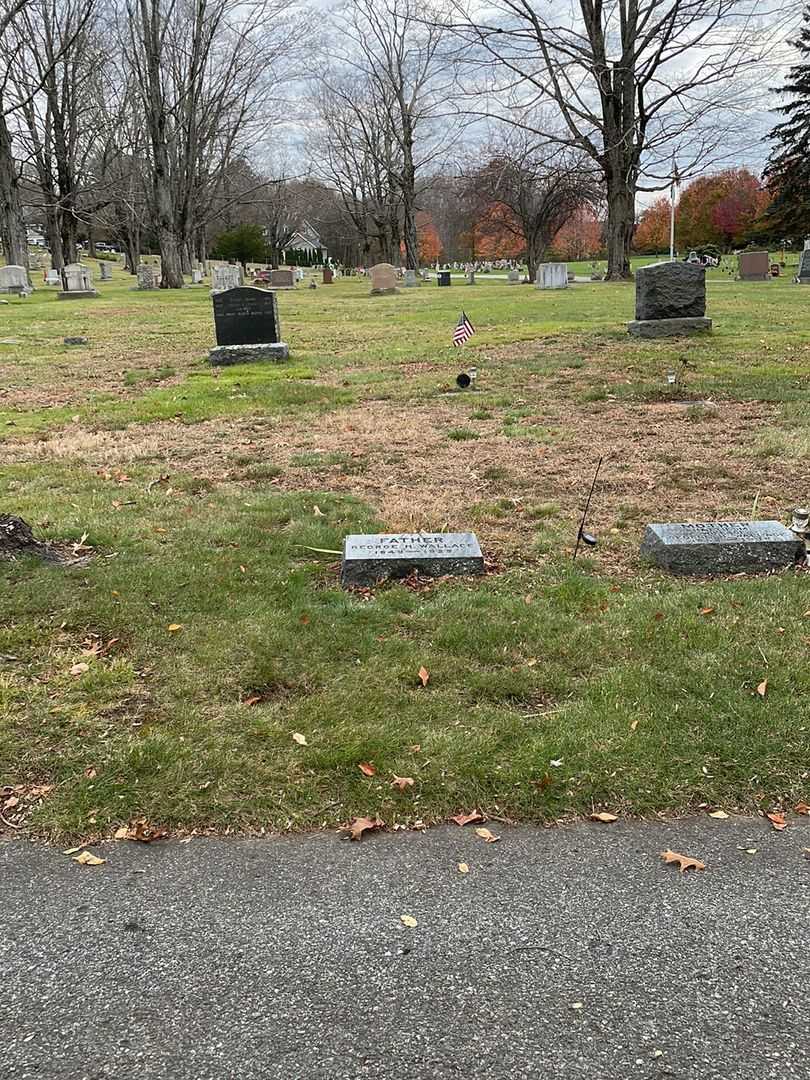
721	547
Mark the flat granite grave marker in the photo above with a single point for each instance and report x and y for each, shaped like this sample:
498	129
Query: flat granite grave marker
370	558
247	327
721	547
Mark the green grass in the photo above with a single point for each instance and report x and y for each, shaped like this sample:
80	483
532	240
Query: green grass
610	669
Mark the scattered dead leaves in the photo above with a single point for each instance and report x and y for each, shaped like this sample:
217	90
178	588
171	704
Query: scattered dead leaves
360	825
467	819
777	820
142	830
684	861
801	808
86	858
485	834
402	782
367	769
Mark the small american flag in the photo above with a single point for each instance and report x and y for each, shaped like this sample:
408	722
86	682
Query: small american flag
464	330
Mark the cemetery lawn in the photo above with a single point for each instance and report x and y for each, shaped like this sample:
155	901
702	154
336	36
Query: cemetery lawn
166	676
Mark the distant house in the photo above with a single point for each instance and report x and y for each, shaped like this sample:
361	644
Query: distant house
306	238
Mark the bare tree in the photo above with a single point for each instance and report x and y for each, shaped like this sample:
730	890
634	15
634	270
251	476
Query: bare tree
204	70
634	82
395	48
541	186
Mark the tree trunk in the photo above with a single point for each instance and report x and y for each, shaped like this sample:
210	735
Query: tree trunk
621	224
91	243
12	222
54	237
70	239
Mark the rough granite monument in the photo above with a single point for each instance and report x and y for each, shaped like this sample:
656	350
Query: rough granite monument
368	559
722	547
670	301
247	327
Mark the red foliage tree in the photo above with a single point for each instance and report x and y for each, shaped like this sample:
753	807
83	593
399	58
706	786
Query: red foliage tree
580	237
719	209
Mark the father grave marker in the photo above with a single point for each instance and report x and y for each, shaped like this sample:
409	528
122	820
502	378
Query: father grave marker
722	547
670	301
247	327
370	558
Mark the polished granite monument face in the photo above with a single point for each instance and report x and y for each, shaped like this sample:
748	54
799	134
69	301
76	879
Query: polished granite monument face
722	547
247	327
374	557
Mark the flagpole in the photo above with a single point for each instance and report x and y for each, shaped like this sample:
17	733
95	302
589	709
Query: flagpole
672	187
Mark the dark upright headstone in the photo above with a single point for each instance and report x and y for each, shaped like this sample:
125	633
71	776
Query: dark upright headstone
377	557
443	277
247	326
754	266
722	547
670	300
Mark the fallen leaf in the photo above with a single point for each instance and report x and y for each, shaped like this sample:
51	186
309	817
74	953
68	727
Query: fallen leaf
762	689
777	820
122	833
634	725
577	1005
367	769
402	782
463	868
415	749
602	816
90	773
424	675
142	831
801	808
683	861
706	610
721	815
11	802
467	819
87	859
254	699
555	763
362	824
408	920
750	851
485	834
79	669
174	627
316	510
300	739
71	851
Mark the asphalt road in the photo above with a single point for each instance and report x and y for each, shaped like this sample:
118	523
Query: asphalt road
564	953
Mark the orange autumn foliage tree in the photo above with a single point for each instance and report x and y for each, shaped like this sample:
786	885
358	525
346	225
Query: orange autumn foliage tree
430	246
719	209
652	232
498	234
580	238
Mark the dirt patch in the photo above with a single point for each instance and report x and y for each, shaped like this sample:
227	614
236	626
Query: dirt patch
661	465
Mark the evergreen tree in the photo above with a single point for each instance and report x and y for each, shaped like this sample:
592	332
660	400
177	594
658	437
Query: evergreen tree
788	172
